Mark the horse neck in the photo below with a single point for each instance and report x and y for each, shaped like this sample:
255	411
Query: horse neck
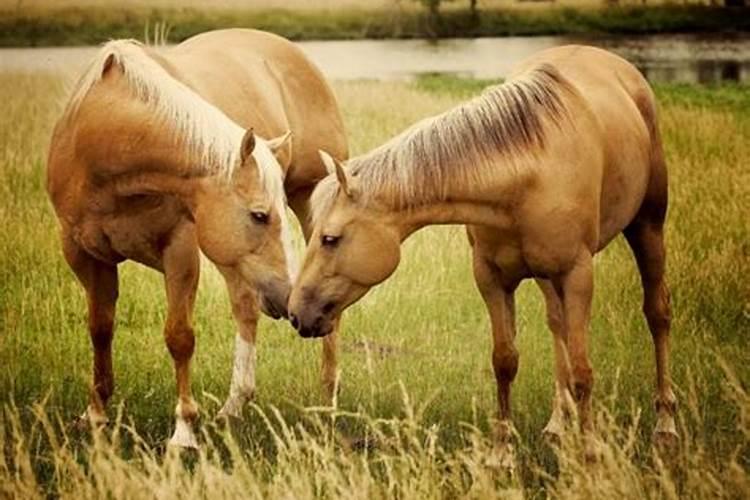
459	202
135	153
408	221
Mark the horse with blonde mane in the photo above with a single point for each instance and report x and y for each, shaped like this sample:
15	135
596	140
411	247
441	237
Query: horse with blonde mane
545	169
160	154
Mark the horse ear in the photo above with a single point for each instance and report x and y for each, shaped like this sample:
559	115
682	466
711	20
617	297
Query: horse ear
108	63
248	145
281	147
333	165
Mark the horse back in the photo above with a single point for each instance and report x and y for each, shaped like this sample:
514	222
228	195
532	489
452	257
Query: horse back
263	81
615	137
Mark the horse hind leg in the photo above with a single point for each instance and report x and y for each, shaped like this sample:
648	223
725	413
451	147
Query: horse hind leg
646	239
181	271
100	282
562	406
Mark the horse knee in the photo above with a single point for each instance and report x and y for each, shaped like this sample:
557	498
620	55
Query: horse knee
180	341
505	364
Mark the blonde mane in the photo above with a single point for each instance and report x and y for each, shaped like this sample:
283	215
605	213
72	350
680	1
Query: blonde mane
209	135
458	147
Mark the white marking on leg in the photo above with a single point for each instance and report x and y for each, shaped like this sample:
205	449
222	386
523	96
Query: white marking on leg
557	421
183	436
243	377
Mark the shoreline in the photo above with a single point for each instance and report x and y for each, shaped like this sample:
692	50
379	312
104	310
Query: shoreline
76	26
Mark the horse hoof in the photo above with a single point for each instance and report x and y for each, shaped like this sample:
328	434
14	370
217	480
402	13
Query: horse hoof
553	434
88	421
183	436
503	460
183	442
591	451
666	441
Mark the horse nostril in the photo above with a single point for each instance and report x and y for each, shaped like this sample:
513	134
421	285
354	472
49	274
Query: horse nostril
329	307
294	321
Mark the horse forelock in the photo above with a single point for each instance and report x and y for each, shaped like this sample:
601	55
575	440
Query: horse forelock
210	137
459	147
323	197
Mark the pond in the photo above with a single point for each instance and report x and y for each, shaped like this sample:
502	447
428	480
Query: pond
662	58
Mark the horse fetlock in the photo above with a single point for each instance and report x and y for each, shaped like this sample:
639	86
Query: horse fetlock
187	409
236	402
95	416
666	404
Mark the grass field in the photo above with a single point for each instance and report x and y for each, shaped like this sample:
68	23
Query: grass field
417	391
85	22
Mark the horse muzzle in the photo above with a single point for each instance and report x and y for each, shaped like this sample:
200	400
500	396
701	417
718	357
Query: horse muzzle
317	328
274	299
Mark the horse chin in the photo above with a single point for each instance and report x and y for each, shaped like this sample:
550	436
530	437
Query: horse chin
272	310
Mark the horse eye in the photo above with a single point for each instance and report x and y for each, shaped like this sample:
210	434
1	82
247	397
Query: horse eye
329	241
260	217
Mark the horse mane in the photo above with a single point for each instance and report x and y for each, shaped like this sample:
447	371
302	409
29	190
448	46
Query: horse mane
459	147
211	137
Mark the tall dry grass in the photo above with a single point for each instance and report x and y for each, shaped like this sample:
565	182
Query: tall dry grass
417	393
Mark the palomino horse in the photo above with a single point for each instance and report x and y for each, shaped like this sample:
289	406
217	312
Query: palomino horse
546	170
151	161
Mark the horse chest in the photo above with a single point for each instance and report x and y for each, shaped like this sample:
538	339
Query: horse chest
137	228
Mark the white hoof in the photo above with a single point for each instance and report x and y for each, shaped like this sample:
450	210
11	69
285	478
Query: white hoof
233	407
183	436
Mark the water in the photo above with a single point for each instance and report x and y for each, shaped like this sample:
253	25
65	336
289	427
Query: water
662	58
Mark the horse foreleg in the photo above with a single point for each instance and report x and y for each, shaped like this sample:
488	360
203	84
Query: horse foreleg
499	299
328	369
646	239
181	271
101	284
299	203
246	312
562	402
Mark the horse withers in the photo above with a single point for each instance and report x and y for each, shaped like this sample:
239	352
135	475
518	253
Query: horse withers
161	154
545	169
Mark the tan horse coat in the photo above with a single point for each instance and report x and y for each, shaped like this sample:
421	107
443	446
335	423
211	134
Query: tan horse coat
125	185
546	170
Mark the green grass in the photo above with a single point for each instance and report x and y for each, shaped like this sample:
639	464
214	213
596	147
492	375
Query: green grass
415	353
83	25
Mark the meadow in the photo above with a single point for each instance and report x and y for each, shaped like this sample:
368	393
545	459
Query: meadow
87	22
417	394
